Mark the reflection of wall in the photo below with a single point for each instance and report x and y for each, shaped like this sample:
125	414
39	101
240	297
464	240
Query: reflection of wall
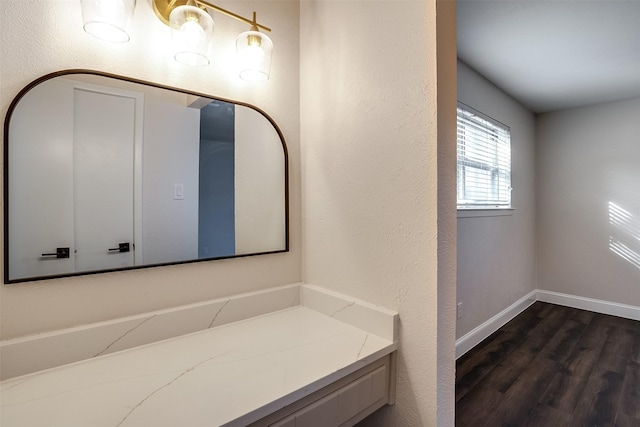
171	153
496	255
216	223
589	201
259	164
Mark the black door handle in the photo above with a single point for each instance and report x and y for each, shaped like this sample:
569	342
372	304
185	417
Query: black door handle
59	253
122	247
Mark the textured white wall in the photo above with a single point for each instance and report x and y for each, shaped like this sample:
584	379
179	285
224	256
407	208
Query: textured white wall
41	36
496	255
370	146
588	189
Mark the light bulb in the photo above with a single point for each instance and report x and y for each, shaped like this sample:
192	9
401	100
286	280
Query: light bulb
192	32
254	55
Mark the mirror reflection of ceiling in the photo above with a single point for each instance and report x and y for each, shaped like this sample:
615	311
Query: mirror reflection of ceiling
217	121
552	55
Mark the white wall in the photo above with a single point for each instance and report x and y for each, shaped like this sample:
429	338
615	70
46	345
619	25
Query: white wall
588	189
49	38
496	255
171	155
370	141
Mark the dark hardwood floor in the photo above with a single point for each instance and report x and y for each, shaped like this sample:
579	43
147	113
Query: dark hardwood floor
553	366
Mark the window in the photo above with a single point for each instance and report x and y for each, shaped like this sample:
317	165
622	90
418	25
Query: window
484	161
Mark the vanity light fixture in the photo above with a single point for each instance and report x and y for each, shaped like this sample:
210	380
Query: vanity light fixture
192	30
108	20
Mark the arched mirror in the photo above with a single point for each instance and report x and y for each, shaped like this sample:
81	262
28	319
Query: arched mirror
105	173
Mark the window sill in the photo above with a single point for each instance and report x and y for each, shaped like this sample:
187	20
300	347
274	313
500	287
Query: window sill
478	213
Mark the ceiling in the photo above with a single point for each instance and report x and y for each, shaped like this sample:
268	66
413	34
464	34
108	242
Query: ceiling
553	54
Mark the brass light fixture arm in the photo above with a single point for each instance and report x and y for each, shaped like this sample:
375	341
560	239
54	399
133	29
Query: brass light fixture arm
253	22
163	9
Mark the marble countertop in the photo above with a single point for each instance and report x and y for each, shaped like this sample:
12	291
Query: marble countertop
229	375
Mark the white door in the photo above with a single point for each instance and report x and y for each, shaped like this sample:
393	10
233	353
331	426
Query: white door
40	177
103	179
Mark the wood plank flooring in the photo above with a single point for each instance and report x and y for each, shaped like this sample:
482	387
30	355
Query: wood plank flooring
553	366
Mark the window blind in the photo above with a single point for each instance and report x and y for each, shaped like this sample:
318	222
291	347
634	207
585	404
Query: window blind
484	161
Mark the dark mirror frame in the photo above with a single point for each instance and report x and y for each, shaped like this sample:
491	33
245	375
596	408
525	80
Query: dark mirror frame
68	72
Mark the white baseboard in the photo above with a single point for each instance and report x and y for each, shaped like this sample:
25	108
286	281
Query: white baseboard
595	305
477	335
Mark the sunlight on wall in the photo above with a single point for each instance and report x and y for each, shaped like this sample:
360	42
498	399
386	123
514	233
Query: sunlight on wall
626	244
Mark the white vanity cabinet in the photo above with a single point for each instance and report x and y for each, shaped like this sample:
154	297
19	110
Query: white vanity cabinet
344	403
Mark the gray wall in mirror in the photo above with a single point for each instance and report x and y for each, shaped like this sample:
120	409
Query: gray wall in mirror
105	173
